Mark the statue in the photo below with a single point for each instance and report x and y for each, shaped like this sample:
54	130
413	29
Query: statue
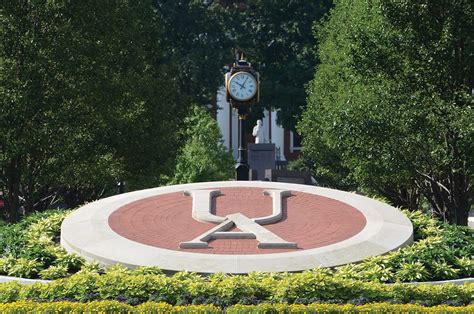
259	132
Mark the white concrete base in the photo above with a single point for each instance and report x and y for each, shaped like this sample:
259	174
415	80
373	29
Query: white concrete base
23	281
87	232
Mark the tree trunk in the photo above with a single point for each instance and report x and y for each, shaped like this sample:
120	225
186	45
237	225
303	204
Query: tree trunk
460	200
408	198
449	199
13	198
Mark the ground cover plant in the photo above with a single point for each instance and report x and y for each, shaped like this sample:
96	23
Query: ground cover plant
30	248
441	251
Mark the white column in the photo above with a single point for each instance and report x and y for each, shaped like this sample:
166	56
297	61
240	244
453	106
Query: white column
266	126
235	133
223	108
278	136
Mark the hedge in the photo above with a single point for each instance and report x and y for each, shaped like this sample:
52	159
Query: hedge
103	306
153	307
318	285
347	308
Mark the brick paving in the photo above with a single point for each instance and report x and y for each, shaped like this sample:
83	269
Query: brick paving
164	221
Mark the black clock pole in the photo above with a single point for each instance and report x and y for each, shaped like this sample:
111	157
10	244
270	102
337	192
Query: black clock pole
242	168
237	101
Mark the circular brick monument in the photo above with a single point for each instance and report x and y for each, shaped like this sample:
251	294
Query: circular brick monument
235	227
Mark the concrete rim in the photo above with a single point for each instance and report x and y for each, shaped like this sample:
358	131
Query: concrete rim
87	232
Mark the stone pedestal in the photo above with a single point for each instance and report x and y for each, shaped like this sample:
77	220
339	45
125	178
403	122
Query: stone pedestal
287	176
260	158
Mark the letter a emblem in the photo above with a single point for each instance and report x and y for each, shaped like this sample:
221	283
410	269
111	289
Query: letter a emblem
251	228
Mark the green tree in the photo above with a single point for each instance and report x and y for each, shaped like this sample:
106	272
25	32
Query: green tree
203	156
203	36
277	39
392	100
195	36
86	99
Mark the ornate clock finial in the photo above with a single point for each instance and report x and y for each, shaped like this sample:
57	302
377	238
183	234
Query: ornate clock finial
239	55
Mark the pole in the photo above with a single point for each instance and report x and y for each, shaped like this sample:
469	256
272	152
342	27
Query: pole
242	168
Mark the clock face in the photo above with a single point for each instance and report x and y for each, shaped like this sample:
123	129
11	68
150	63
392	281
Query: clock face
242	86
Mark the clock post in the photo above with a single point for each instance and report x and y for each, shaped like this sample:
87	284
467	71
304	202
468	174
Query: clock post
242	84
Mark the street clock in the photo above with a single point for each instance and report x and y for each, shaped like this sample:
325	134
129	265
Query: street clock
242	88
242	85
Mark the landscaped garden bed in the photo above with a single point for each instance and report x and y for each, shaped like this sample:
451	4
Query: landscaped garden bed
30	249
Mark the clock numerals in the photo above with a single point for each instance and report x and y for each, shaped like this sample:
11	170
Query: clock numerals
242	86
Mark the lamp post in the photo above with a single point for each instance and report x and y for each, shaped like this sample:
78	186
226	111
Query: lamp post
242	167
242	84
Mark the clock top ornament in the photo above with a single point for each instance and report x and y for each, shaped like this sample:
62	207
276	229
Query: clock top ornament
242	84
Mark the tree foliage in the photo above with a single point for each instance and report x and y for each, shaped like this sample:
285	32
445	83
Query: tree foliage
94	92
392	102
86	100
277	38
195	35
203	156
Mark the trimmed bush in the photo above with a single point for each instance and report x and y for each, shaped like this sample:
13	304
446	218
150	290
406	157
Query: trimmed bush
223	290
102	307
152	307
347	308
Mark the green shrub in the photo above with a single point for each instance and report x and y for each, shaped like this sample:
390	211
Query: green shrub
10	291
92	268
153	307
412	271
152	270
35	249
440	252
54	272
72	262
12	237
346	308
203	157
443	270
466	266
6	263
24	268
11	240
224	290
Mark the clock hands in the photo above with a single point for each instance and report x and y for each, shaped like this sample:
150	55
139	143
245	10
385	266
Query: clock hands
242	86
238	84
244	91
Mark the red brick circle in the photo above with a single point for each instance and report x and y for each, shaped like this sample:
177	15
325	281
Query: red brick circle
164	221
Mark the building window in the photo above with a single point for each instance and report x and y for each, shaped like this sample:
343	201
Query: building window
295	142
